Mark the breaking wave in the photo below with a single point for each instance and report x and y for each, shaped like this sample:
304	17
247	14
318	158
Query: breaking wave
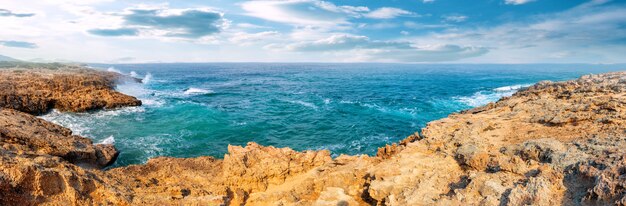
112	69
197	91
481	98
146	79
108	140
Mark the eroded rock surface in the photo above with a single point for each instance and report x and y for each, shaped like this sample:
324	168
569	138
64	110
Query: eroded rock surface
28	133
69	88
550	144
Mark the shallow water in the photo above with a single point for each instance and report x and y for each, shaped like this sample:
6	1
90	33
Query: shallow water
198	109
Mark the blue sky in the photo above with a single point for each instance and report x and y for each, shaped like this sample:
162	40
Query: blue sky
407	31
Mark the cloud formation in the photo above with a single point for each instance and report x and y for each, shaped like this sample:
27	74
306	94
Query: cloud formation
302	12
517	2
386	50
316	12
18	44
115	32
513	31
592	27
8	13
455	18
188	23
388	13
181	23
242	38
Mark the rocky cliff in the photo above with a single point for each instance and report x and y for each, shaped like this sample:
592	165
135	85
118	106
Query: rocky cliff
66	88
551	144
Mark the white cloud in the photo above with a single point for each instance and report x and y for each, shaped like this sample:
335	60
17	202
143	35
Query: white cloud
302	12
455	18
250	26
388	13
517	2
317	31
592	27
386	51
243	38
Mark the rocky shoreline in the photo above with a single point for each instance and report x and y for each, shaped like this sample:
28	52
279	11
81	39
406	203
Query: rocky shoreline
551	144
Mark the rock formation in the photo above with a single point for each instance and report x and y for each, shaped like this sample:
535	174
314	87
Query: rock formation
550	144
67	88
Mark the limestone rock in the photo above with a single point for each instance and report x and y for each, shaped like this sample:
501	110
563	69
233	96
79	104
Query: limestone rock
71	88
33	134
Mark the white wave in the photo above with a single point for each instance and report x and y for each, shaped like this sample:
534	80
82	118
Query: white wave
108	140
511	88
134	74
112	69
146	79
83	123
348	102
480	98
155	144
303	103
151	102
73	122
133	89
197	91
485	97
117	112
239	123
326	101
147	96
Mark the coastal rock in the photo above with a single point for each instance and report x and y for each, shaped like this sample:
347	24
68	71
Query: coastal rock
550	144
69	88
33	178
29	133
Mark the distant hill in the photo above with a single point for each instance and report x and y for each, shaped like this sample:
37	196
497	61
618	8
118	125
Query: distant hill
8	59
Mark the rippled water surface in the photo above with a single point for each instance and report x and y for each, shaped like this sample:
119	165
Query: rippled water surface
198	109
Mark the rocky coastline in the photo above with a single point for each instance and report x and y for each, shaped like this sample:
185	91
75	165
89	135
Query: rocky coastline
560	143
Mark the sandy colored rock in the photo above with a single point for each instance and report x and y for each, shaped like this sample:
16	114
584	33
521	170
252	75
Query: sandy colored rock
29	133
550	144
69	88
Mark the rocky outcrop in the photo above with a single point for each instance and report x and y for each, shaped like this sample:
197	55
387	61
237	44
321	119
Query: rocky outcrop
29	177
68	88
550	144
44	163
28	133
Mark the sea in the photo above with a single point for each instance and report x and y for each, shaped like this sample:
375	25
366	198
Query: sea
197	109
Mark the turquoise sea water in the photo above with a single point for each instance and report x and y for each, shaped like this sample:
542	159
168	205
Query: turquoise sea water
198	109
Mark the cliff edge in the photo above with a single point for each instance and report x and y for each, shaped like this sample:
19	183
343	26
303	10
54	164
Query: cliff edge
38	89
550	144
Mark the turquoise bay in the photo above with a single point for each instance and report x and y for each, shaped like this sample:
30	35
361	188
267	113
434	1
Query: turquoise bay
198	109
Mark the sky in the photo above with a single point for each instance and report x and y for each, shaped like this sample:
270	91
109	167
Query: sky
400	31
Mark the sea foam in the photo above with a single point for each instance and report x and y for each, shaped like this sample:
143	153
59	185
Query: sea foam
108	140
112	69
303	103
197	91
481	98
146	79
511	88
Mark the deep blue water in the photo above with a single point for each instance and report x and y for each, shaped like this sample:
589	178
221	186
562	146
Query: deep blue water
198	109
